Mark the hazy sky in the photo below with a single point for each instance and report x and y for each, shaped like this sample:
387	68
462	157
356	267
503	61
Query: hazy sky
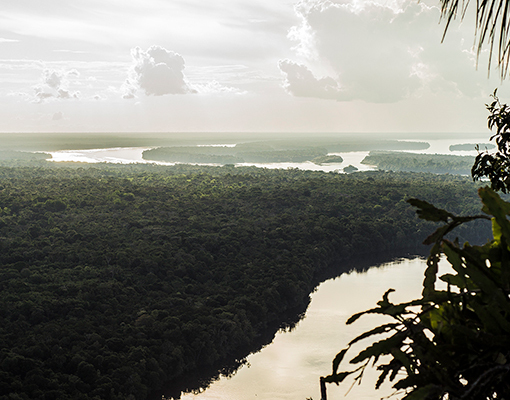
238	65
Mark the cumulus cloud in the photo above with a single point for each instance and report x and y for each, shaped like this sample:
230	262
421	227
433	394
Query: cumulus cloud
375	52
157	71
57	116
301	82
55	84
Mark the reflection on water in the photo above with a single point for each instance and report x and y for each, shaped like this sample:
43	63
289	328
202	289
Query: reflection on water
289	368
128	155
118	155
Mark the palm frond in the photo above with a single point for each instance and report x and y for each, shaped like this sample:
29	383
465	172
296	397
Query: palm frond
492	27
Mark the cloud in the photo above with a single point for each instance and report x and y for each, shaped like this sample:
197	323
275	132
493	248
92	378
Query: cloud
4	40
55	84
375	52
214	87
301	82
57	116
157	71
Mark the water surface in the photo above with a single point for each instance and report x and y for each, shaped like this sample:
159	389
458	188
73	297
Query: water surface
289	368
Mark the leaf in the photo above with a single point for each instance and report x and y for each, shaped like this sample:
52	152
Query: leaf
496	230
338	359
454	280
356	316
380	348
429	212
494	205
408	381
442	231
337	378
431	272
376	331
382	377
491	317
385	302
403	358
438	234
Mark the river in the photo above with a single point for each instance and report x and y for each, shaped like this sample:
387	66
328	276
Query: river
127	155
289	368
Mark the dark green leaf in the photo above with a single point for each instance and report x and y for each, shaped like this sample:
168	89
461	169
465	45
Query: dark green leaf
338	359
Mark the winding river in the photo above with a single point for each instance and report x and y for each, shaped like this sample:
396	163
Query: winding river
289	368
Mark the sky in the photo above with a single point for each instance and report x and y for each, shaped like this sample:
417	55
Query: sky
240	66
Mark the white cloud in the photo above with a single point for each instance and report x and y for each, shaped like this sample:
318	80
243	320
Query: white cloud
157	71
301	82
4	40
55	84
57	116
376	52
214	87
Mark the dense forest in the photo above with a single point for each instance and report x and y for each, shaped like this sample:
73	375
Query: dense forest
250	152
471	146
414	162
273	151
117	281
22	155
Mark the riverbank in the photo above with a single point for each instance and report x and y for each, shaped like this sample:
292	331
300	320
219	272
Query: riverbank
188	386
289	368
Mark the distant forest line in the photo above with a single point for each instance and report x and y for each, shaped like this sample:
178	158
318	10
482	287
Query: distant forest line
386	153
119	280
274	151
413	162
72	141
262	153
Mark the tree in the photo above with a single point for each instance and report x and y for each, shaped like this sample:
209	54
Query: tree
496	166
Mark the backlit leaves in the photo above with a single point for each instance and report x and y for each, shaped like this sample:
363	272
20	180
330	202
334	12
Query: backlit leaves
453	342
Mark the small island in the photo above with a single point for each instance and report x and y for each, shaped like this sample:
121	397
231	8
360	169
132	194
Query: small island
350	168
329	159
470	146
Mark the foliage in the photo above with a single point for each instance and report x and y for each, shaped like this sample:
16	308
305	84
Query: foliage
453	343
350	168
413	162
119	280
327	160
246	152
315	150
492	24
496	166
469	146
21	155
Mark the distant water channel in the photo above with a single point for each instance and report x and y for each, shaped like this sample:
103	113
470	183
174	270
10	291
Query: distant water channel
128	155
289	368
